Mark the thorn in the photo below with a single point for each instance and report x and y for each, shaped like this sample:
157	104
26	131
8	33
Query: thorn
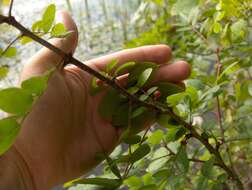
157	94
99	82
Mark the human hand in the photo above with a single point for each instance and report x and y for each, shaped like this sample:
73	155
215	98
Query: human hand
63	133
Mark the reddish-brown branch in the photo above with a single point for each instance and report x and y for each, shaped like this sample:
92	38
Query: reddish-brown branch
218	72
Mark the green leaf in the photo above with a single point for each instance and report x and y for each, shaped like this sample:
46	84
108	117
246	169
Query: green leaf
25	40
239	29
196	83
207	168
250	88
229	70
126	67
222	178
133	181
138	112
217	27
15	101
48	17
173	100
168	89
183	7
148	187
163	173
105	182
59	30
36	85
149	92
152	90
147	179
192	93
220	15
11	52
3	72
211	93
37	26
110	104
156	137
140	121
163	120
182	160
133	90
120	117
144	77
110	66
6	2
9	129
217	186
94	88
138	69
139	153
132	139
113	167
202	183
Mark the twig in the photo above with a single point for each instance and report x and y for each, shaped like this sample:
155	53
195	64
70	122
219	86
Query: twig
202	37
238	139
171	153
167	148
10	44
126	171
145	133
218	72
128	168
157	108
10	9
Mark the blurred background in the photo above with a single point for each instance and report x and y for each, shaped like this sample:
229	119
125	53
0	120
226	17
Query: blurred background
104	26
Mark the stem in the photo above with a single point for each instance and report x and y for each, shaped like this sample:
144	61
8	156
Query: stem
218	72
10	44
69	5
203	38
238	139
171	153
129	166
112	83
10	9
126	171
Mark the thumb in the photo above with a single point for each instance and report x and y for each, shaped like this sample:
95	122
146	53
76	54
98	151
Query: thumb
45	58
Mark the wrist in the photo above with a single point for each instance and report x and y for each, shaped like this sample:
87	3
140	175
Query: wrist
14	173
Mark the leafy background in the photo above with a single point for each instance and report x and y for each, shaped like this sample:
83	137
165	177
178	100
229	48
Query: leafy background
207	33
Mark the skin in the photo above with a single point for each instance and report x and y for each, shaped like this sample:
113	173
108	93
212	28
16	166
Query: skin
64	132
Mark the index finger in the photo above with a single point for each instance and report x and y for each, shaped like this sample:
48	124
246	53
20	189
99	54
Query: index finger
155	53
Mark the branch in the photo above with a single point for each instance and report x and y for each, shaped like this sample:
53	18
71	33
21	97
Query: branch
112	83
201	36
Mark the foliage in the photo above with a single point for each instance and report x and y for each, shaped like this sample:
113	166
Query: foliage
215	37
